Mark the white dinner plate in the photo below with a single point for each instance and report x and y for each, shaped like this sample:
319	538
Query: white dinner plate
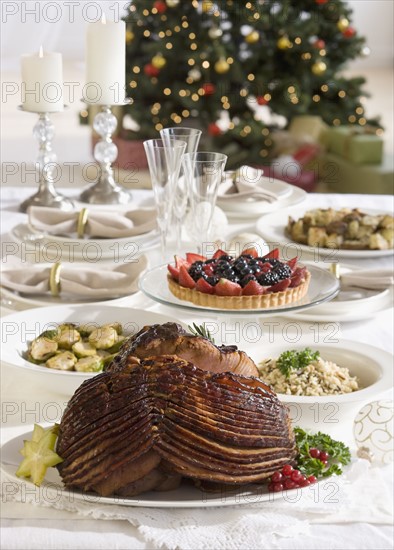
322	287
56	248
272	228
240	210
19	328
186	496
32	300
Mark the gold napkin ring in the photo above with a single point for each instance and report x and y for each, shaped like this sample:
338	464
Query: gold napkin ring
82	221
54	279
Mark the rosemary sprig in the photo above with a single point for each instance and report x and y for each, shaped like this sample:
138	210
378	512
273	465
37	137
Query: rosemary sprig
201	330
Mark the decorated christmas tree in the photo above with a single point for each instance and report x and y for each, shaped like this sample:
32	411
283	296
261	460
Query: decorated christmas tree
238	69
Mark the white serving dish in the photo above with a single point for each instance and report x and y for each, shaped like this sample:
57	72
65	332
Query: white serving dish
335	414
19	328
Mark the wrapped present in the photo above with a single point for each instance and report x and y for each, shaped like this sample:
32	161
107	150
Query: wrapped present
342	176
357	144
307	128
286	168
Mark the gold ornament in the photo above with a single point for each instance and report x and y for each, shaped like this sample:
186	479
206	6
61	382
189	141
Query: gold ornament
207	6
284	43
222	66
129	37
158	61
172	3
343	24
319	68
252	37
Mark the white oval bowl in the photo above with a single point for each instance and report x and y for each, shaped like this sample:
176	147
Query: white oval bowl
19	328
335	414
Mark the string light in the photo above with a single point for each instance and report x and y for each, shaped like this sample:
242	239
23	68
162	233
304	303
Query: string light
362	121
316	98
191	62
147	33
306	56
336	122
352	118
136	70
251	77
205	64
324	88
159	127
359	110
167	91
298	40
133	84
195	97
342	94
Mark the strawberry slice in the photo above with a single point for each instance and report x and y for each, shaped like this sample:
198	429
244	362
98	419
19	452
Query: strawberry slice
219	253
191	257
298	276
174	271
203	286
227	288
251	251
185	279
209	269
253	288
292	263
282	285
181	261
265	266
273	255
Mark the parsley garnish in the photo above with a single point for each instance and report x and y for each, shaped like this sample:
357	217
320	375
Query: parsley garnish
295	360
201	330
338	452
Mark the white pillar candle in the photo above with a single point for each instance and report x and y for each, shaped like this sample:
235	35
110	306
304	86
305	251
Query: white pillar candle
105	63
42	82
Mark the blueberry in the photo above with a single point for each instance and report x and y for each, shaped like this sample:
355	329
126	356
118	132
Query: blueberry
246	279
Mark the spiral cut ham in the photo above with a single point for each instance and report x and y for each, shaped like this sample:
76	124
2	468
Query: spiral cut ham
162	419
172	339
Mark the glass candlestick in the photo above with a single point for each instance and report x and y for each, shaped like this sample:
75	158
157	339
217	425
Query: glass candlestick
44	131
106	190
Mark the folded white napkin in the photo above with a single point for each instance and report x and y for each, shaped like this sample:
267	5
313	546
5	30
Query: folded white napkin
243	183
100	223
378	279
84	281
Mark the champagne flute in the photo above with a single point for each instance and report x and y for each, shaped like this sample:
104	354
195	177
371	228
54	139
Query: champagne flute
204	172
192	138
164	161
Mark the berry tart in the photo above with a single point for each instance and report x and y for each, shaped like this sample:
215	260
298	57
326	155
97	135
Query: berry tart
248	281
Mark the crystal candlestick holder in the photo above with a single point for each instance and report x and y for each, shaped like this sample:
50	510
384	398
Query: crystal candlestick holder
105	190
44	131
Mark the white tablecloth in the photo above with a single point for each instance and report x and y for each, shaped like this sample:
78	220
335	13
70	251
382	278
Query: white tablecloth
354	525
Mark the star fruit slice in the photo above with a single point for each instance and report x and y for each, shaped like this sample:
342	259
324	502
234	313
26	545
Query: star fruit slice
39	454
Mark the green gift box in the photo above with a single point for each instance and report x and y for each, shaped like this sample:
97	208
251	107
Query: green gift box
342	176
357	144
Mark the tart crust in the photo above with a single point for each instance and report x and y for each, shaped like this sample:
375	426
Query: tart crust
263	301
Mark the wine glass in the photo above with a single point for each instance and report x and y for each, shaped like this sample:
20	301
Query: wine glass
192	138
204	172
164	161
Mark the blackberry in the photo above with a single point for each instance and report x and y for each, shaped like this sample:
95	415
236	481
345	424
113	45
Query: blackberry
283	271
272	261
246	256
244	281
225	257
196	272
212	280
210	261
269	278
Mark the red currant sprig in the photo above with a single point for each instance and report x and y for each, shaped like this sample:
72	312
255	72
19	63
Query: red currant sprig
289	478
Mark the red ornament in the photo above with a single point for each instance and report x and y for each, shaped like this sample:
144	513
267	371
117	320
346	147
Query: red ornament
214	130
321	2
209	88
160	6
261	100
319	44
150	70
349	32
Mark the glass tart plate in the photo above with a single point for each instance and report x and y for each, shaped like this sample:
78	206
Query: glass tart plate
323	287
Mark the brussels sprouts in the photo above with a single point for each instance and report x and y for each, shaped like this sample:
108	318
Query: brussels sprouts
62	361
42	348
89	364
67	337
103	337
83	349
116	347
